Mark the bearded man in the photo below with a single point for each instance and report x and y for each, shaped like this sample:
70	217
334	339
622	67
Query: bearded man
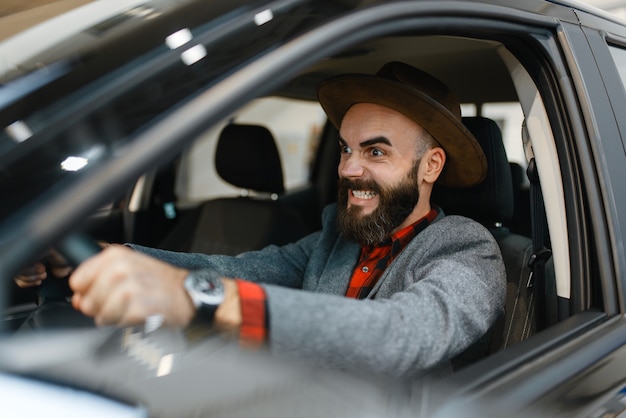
390	285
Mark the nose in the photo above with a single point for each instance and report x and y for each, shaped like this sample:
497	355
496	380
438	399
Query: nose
350	167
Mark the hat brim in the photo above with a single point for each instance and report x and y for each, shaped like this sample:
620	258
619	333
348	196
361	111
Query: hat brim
466	164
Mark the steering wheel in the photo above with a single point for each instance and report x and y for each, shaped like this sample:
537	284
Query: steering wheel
54	310
76	248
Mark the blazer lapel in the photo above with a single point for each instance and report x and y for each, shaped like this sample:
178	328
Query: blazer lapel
337	273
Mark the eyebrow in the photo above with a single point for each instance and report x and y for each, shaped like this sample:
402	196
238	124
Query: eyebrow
368	142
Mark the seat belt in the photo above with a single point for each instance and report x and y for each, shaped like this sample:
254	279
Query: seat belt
541	253
540	236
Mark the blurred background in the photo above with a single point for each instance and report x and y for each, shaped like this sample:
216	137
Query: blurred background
616	7
17	15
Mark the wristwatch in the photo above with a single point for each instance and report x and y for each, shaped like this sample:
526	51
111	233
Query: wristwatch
206	290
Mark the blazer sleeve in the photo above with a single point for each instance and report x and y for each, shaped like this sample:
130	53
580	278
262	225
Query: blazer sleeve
282	266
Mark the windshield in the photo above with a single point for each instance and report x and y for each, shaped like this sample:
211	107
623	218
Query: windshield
94	104
73	133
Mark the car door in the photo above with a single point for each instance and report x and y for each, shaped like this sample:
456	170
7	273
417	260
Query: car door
575	366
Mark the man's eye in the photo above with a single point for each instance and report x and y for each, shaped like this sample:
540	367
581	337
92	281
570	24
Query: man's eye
345	149
377	152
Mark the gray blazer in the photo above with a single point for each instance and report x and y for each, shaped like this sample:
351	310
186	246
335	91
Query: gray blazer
441	294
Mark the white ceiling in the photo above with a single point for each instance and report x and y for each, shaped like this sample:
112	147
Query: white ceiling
615	7
17	15
606	4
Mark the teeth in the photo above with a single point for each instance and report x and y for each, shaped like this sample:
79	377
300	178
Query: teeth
363	194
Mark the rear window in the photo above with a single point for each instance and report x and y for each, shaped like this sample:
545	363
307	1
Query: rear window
296	126
619	56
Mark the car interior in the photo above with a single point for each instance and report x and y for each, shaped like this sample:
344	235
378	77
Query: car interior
257	179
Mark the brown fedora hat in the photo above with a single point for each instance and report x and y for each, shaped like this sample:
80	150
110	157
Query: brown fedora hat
422	98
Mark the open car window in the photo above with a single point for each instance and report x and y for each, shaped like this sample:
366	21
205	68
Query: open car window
514	88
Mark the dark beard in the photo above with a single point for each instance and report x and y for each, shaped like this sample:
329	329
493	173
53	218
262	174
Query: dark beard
395	205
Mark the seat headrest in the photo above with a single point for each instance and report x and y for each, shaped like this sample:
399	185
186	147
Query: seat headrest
247	157
491	201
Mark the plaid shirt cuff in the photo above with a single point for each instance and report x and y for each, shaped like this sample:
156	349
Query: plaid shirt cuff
254	326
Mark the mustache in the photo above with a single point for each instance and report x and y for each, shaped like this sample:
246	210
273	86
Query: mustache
348	184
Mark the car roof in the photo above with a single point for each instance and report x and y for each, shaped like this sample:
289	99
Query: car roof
94	24
440	55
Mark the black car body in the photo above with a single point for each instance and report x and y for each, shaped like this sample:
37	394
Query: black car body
117	96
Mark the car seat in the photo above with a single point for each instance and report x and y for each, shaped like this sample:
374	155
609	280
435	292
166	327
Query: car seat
492	203
246	157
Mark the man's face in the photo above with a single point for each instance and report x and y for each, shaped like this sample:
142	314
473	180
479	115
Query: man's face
378	173
395	204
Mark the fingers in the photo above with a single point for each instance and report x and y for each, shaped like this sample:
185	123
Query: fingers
55	259
84	275
31	276
94	277
36	274
122	307
122	287
59	266
90	300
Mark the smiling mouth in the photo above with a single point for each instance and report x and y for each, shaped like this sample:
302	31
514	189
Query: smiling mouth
364	194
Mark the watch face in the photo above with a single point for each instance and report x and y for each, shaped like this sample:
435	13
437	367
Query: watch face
206	287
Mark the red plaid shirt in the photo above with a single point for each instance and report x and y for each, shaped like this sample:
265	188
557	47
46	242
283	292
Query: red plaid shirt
376	258
372	263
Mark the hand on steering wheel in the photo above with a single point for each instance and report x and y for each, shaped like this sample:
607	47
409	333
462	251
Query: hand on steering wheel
54	310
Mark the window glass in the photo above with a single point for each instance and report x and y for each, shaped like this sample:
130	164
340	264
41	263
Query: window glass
96	115
296	126
619	56
509	117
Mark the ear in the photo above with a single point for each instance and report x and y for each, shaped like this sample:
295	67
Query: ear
432	164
